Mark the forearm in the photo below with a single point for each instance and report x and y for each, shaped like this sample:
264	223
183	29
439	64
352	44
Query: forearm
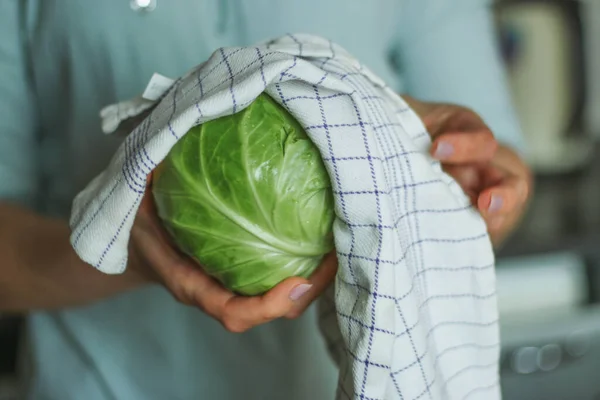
40	270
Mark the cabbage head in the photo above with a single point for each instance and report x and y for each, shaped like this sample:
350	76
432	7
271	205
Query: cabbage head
248	197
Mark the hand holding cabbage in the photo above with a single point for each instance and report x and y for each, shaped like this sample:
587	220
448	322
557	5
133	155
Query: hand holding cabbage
242	205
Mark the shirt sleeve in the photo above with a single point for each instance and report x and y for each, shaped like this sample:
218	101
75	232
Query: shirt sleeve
18	116
448	52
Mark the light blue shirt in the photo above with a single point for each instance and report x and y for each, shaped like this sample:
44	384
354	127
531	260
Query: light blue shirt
61	61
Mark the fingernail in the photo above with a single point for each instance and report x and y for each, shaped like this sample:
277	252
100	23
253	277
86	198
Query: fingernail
299	291
443	150
495	203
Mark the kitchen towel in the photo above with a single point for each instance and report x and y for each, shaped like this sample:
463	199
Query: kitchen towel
413	312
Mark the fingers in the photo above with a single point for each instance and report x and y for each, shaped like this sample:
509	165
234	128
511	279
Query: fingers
464	147
468	176
241	313
190	285
320	280
502	205
474	178
504	197
500	196
288	299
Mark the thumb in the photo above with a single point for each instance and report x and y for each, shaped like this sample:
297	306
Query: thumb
320	281
273	304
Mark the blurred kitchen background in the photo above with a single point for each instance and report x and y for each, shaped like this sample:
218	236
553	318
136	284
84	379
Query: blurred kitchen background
549	272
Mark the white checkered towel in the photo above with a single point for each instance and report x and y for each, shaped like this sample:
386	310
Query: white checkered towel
413	312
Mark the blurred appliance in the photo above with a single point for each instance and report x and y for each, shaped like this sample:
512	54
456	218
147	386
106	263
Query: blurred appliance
550	329
544	46
552	357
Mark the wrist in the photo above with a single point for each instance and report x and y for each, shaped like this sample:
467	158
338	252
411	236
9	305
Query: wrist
138	267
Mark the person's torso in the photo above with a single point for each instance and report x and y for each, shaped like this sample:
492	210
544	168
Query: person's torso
90	54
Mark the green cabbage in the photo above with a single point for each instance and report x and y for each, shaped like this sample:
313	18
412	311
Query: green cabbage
248	197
